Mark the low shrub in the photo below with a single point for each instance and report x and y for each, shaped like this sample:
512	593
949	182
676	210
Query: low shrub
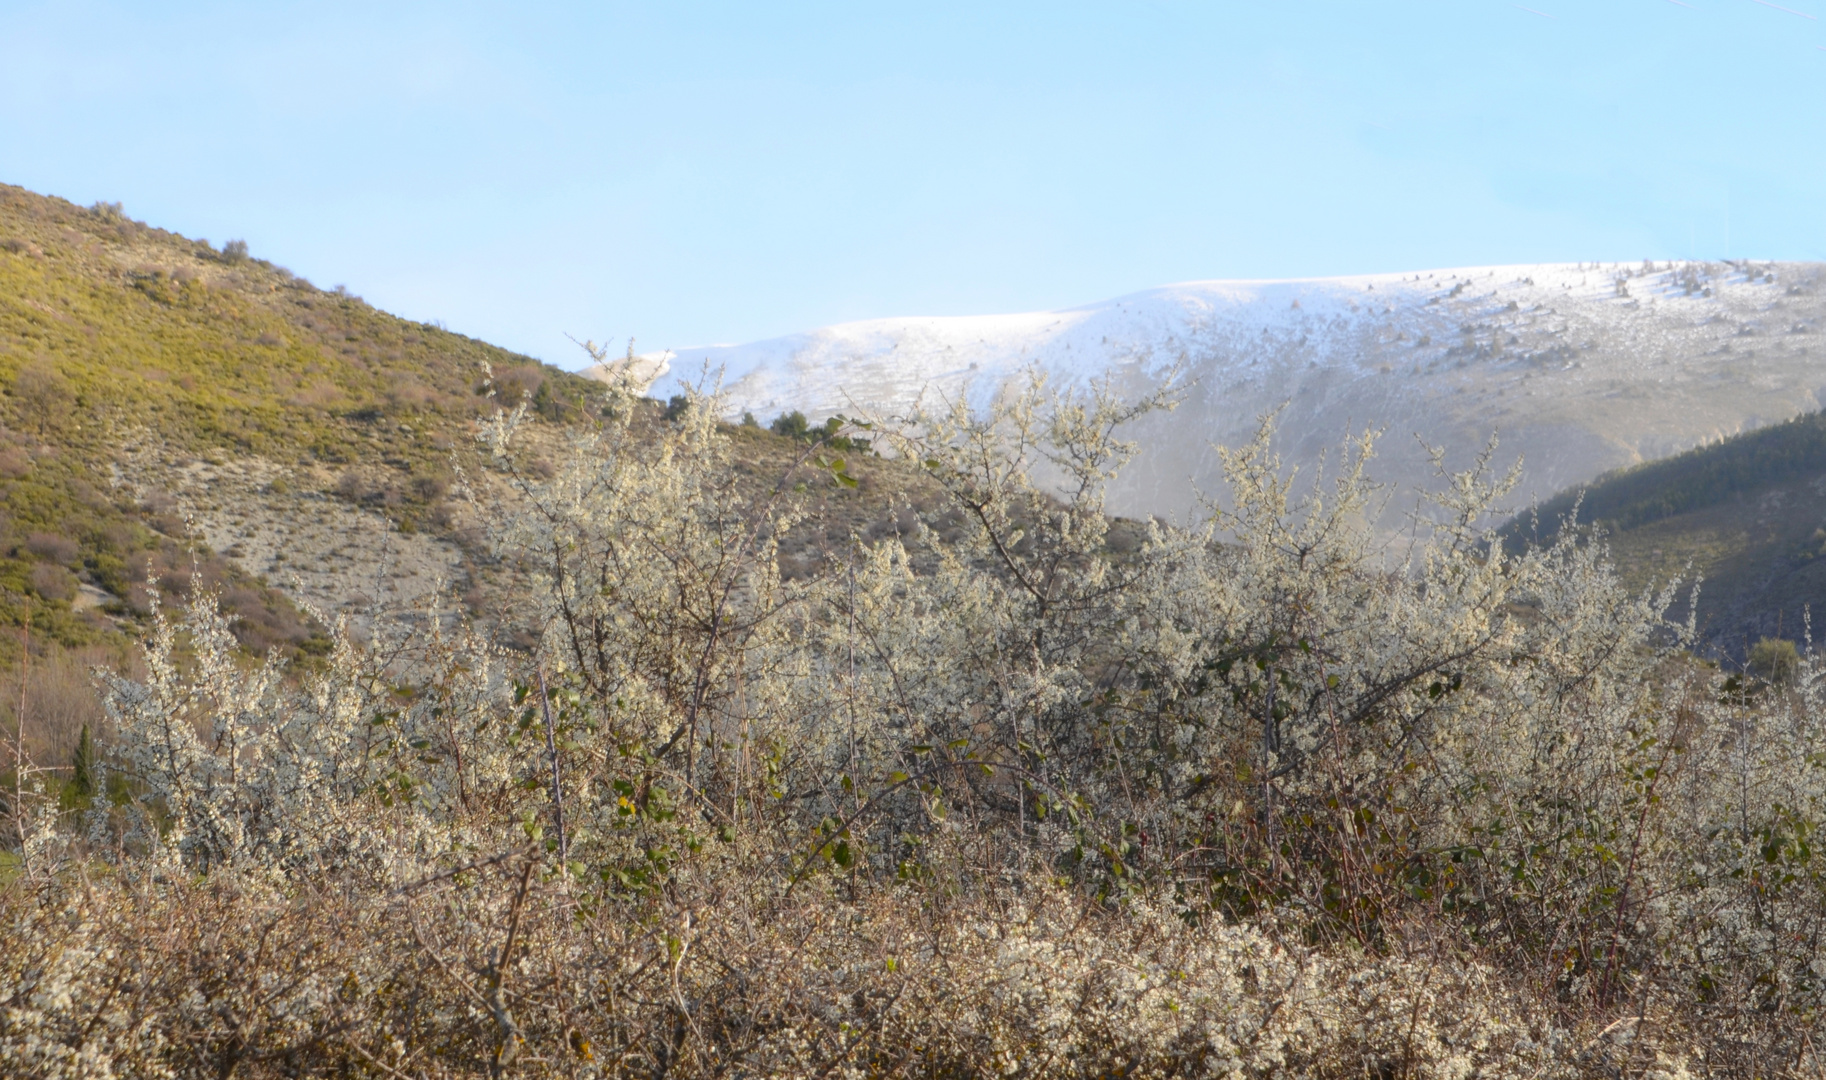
1775	659
52	547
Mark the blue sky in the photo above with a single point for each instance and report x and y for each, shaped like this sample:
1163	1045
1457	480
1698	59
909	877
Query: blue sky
693	173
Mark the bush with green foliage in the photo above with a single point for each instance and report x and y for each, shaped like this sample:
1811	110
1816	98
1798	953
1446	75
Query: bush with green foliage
791	425
830	434
1776	660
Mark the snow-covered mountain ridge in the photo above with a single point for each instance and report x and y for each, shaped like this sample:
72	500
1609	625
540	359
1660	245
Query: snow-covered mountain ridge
1579	367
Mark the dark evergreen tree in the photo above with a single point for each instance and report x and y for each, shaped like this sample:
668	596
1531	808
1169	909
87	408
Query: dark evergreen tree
82	767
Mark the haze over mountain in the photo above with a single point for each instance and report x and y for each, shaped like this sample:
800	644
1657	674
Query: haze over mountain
1579	367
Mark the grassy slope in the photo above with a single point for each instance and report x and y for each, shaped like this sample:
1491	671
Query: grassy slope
113	333
1748	515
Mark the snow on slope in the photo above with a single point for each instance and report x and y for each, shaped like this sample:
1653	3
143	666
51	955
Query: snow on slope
1580	368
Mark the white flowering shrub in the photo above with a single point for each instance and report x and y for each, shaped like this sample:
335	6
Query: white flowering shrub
1260	797
349	772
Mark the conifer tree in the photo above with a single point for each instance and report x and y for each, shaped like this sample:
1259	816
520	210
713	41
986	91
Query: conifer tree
82	767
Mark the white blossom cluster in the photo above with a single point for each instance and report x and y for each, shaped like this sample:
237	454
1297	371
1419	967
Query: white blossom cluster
1053	795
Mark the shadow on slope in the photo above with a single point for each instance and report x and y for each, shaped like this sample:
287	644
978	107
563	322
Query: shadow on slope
1747	515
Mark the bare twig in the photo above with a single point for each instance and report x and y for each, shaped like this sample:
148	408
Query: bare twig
551	748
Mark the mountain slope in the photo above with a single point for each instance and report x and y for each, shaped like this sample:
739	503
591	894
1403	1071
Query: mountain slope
1581	369
1746	515
163	395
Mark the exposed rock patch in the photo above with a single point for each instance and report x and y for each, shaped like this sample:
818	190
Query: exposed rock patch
282	526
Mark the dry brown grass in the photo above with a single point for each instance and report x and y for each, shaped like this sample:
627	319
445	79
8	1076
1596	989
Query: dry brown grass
506	970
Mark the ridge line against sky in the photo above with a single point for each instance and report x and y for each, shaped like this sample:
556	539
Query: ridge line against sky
691	173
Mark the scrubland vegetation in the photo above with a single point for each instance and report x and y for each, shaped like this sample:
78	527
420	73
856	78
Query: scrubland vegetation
1241	799
772	780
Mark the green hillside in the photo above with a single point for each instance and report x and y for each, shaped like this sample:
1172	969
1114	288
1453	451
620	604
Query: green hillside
115	334
1747	515
131	359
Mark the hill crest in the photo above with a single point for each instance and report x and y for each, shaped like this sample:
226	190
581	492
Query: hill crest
1580	368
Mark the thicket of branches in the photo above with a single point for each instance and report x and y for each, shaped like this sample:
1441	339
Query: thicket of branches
1247	801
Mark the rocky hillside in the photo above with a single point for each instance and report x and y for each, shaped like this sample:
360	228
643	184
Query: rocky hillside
174	409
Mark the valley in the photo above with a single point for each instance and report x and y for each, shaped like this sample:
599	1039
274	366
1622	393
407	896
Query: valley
743	679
